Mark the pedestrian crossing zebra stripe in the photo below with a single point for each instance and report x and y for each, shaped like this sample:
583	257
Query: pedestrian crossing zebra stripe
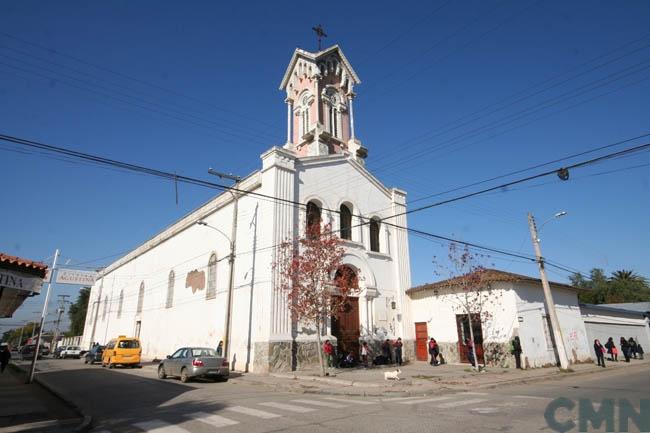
320	403
157	426
288	407
211	419
345	400
452	404
252	412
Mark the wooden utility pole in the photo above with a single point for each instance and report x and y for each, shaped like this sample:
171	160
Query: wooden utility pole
548	297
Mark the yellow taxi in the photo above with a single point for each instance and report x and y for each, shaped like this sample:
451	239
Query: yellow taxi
123	350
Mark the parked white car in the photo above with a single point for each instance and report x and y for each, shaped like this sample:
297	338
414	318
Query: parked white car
71	352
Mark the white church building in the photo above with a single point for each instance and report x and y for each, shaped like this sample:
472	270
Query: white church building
181	287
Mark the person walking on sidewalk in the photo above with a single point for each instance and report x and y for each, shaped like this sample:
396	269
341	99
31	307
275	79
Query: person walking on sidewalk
600	353
433	351
611	349
5	356
220	349
515	348
328	350
633	347
398	351
640	350
385	351
625	348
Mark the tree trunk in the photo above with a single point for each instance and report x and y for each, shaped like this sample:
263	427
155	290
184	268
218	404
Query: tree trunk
320	348
471	336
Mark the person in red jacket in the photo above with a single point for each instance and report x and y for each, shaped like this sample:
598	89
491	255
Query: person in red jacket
433	351
328	350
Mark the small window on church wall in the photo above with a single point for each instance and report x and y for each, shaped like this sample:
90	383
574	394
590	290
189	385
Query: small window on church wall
140	298
313	219
346	222
211	292
170	290
305	121
119	305
105	308
374	235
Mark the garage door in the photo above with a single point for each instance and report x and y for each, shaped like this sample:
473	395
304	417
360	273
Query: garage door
602	331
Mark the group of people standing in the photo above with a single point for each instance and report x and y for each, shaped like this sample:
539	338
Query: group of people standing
629	349
391	352
435	353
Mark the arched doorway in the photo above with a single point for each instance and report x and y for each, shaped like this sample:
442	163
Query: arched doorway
345	325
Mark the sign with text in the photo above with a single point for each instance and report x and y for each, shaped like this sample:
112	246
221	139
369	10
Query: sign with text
75	276
20	281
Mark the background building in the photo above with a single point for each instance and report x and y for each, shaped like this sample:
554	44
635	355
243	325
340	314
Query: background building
19	279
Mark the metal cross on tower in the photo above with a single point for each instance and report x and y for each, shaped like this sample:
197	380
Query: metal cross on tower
320	34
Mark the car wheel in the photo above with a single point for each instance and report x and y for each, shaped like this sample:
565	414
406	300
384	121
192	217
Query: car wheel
161	372
184	377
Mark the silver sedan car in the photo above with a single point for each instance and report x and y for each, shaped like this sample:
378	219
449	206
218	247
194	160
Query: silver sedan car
190	362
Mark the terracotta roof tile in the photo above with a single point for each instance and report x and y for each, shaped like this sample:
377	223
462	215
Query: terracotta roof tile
20	263
487	275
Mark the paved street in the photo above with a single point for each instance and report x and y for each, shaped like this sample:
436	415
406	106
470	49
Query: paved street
136	401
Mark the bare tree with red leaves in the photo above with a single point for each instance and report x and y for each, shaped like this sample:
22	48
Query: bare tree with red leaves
311	272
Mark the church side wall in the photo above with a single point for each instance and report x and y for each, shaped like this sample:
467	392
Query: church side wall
192	319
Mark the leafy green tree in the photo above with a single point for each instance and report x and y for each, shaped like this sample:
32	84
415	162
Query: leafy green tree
77	312
623	286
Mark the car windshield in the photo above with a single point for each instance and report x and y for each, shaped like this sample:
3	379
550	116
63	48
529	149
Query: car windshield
73	348
128	344
203	351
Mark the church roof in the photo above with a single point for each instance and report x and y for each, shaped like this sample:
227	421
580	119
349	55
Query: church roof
487	275
315	57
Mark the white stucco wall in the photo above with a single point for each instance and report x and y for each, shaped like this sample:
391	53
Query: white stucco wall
439	312
531	311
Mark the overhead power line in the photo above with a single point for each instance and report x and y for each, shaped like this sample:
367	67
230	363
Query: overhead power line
195	181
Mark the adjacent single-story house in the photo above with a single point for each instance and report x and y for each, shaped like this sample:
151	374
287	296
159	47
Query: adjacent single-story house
604	321
511	305
19	279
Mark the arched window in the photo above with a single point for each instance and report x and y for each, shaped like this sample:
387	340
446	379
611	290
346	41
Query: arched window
333	113
119	305
374	234
313	219
170	289
346	222
211	292
140	298
305	102
105	308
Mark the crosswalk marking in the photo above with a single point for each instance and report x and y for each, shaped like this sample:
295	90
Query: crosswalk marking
213	420
485	410
253	412
157	426
424	400
346	400
289	407
532	397
320	403
474	393
461	403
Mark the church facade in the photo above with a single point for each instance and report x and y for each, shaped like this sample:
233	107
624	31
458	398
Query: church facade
183	287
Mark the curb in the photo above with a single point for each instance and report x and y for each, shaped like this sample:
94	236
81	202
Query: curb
301	384
87	419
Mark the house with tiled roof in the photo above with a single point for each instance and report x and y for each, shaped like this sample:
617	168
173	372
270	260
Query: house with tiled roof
19	279
510	305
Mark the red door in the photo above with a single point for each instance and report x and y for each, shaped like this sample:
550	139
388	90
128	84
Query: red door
345	328
462	326
421	335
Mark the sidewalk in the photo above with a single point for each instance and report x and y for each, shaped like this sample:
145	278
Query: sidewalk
420	378
31	408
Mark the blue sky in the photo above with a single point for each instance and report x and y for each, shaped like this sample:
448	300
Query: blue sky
185	86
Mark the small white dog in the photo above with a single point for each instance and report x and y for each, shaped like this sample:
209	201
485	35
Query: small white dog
394	375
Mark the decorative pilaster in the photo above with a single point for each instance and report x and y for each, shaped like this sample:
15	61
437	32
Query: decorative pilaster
289	102
351	110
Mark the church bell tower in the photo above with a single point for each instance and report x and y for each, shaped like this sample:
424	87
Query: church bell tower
320	92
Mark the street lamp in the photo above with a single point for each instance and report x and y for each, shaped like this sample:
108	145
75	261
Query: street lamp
231	263
548	296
